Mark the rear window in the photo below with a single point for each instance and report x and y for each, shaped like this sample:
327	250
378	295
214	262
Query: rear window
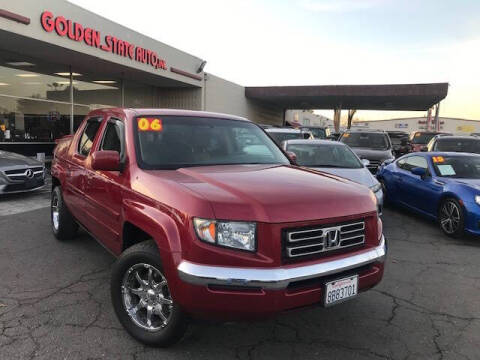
423	138
279	137
458	145
318	133
377	141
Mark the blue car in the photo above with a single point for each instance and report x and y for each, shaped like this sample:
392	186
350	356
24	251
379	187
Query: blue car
444	186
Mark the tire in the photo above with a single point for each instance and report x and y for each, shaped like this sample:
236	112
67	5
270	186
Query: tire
451	218
64	226
143	294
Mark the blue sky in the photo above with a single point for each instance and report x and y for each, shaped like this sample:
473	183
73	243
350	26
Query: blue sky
315	42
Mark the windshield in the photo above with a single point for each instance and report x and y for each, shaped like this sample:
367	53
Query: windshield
172	142
422	138
279	137
323	155
366	140
458	145
462	167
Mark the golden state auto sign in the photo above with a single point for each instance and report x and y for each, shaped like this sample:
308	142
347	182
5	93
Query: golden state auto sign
91	37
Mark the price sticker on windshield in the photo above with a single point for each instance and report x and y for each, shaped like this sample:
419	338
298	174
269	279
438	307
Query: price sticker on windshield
438	159
149	124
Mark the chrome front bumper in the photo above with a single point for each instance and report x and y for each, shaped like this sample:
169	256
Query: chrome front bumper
276	278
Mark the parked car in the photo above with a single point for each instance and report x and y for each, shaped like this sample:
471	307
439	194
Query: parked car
400	142
440	185
373	145
19	173
468	144
335	158
335	136
420	139
281	134
205	226
475	134
318	132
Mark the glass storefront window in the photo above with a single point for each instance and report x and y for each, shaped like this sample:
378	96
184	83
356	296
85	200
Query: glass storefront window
97	93
25	120
36	107
22	83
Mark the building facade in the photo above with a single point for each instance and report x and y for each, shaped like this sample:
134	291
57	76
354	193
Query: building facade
449	125
58	61
307	118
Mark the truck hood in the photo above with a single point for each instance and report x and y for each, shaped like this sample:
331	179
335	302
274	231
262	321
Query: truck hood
9	159
273	193
362	175
372	154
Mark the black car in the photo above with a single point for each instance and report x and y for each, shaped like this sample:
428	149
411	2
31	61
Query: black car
466	144
19	173
373	145
400	142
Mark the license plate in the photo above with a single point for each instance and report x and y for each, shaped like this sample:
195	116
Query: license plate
341	290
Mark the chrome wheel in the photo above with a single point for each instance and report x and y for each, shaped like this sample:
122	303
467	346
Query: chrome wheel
449	217
146	297
55	212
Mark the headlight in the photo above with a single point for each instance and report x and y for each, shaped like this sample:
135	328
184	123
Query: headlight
376	187
477	199
232	234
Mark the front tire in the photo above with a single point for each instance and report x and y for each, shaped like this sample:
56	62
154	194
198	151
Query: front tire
451	218
142	300
64	226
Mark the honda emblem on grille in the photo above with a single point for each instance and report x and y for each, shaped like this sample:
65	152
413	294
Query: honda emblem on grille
29	173
332	238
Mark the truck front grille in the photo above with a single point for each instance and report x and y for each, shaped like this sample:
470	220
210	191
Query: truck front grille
315	240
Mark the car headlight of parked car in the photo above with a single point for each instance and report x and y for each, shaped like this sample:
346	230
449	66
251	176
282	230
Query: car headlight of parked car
376	187
477	199
232	234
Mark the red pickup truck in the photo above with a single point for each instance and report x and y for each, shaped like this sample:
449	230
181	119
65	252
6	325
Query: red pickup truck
209	217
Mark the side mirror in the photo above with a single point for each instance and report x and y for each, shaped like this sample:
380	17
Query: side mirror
423	149
365	162
419	171
106	160
292	156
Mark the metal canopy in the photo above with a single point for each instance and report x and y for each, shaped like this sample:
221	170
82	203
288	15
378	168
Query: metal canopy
361	97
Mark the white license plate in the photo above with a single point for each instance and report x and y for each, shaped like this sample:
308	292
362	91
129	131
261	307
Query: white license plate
341	290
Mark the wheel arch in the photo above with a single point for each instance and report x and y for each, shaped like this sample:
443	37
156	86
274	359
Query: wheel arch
143	222
55	182
449	195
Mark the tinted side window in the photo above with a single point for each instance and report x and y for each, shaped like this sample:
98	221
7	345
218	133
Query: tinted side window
416	161
401	163
111	139
88	135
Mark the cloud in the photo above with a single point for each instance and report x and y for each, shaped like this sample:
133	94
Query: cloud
339	5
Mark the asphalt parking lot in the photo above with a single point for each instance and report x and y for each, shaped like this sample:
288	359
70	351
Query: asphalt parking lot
55	304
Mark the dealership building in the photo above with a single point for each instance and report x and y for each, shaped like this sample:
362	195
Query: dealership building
58	61
446	124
